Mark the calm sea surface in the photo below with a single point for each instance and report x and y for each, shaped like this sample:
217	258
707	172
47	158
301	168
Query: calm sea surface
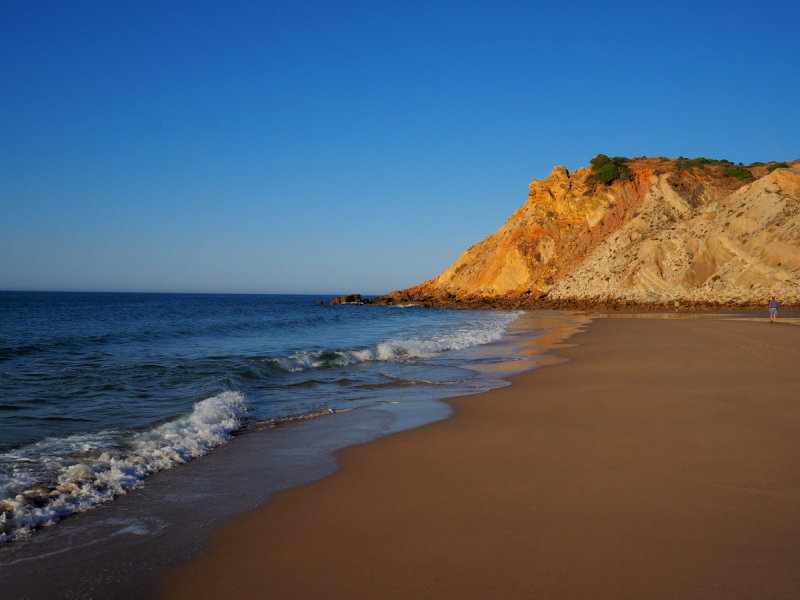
99	391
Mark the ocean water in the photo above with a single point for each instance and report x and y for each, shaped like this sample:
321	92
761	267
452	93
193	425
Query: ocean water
100	391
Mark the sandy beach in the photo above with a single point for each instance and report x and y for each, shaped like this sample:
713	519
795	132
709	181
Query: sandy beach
661	461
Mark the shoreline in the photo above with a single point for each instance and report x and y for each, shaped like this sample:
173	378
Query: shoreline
658	462
531	301
131	540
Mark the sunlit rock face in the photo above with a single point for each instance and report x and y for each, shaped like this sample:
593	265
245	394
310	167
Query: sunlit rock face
662	233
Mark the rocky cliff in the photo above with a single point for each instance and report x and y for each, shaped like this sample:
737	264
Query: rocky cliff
703	232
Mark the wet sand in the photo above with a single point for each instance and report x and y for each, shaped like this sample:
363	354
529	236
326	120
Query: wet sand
661	461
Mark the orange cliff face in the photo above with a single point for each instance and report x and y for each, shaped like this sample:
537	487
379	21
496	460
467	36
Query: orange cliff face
562	221
663	233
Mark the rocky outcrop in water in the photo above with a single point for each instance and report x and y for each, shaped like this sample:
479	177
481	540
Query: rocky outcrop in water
348	299
706	233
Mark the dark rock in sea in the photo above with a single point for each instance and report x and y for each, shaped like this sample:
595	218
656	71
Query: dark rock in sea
348	299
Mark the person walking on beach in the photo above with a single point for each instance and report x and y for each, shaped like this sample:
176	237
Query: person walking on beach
773	309
677	305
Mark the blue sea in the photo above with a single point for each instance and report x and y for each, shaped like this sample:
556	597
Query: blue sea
99	392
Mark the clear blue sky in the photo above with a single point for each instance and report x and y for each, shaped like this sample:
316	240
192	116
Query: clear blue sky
347	146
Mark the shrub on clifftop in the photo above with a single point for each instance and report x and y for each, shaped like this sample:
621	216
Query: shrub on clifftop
700	162
608	169
780	165
740	172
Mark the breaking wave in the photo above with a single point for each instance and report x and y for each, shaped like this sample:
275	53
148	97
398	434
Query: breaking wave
44	482
413	347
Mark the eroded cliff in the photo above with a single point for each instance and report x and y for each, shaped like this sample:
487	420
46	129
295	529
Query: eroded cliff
666	230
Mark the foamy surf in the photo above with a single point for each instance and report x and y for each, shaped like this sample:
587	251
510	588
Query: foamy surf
46	481
480	332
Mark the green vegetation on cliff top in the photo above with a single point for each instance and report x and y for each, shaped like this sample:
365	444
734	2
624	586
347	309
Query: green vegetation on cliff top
731	169
740	172
607	169
780	165
692	163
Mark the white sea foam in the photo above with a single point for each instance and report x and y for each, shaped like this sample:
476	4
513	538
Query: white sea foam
56	477
490	327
